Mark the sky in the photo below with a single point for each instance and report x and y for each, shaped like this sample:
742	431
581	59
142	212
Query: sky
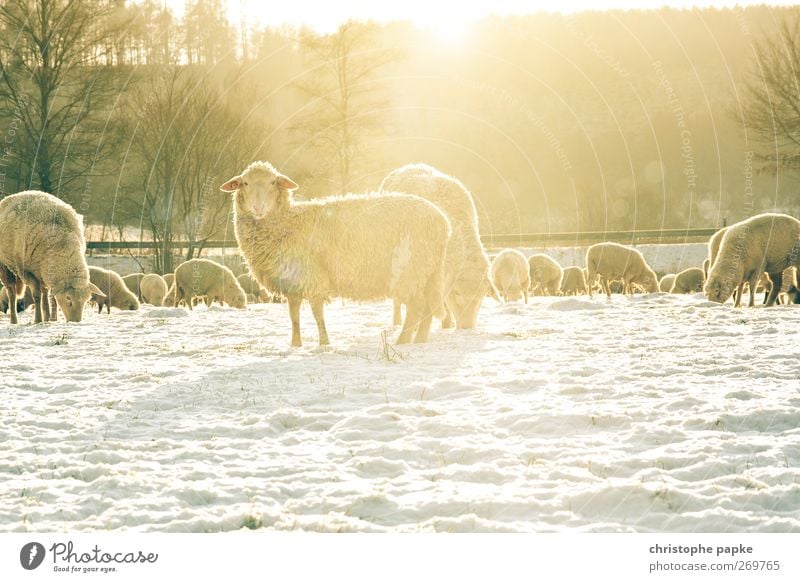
326	15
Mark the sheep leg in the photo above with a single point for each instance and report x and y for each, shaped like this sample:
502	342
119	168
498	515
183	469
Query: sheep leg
46	303
12	287
606	285
449	320
777	283
317	308
108	307
753	285
397	315
738	295
411	322
424	327
525	292
53	308
36	293
295	301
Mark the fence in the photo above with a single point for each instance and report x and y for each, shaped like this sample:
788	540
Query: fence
633	237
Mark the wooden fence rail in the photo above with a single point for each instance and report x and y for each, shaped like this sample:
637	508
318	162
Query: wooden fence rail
633	237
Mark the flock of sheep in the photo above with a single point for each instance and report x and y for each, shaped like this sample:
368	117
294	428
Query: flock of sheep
415	241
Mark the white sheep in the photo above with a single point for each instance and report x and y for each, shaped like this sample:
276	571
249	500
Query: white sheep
42	246
665	283
466	264
207	279
511	274
114	291
689	280
573	282
615	262
545	274
153	288
253	289
357	247
133	282
765	243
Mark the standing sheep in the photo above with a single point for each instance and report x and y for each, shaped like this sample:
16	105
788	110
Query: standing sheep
208	279
466	267
114	291
42	246
665	283
545	273
765	243
153	289
688	281
133	282
612	261
511	275
574	282
357	247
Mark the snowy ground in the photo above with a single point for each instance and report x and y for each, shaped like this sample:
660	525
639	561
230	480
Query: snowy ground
652	413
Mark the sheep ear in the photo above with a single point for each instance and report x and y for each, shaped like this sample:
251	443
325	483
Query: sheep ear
96	290
232	185
286	184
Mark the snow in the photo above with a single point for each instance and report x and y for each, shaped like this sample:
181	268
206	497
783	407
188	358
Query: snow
653	413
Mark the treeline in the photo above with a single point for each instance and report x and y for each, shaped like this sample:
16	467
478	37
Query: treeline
618	120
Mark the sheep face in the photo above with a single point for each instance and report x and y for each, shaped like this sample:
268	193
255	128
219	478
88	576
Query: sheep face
649	282
238	301
259	189
129	303
72	299
718	290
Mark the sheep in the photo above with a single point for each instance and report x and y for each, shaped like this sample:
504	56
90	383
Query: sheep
764	243
22	302
612	261
466	267
545	273
133	283
253	288
205	278
511	274
688	281
713	250
42	246
153	289
665	283
359	247
114	291
573	282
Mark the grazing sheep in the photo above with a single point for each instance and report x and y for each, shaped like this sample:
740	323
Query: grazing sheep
466	267
114	291
713	249
765	243
22	302
252	287
42	246
169	279
133	282
511	275
153	289
574	282
688	281
611	261
357	247
665	284
545	274
205	278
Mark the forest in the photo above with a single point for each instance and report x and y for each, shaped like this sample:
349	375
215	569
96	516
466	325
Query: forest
556	123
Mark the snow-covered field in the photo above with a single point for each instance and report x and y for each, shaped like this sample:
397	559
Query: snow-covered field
651	413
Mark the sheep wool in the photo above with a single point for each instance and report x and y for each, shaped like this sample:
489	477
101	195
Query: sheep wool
115	292
511	275
573	282
689	280
466	267
208	279
615	262
133	282
153	289
665	283
42	246
546	274
764	243
357	247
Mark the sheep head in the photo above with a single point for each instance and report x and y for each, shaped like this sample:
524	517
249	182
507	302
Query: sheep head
649	281
260	189
718	289
72	295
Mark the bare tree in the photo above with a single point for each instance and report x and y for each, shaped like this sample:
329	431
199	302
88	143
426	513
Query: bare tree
52	81
345	100
180	128
772	94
